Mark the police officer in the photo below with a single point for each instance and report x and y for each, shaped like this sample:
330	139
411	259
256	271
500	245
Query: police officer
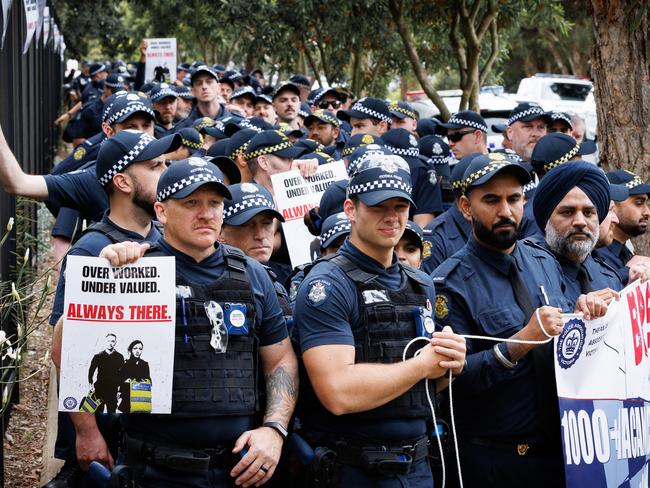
164	100
93	110
426	191
481	290
404	116
263	108
212	423
411	245
132	194
205	88
550	151
466	133
559	122
324	127
633	215
98	73
572	202
286	103
526	125
367	116
362	402
448	232
78	190
242	100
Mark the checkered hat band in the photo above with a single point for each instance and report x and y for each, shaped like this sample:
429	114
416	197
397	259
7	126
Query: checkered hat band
493	166
113	85
525	113
326	118
342	227
303	114
408	113
269	149
184	183
192	144
349	150
412	152
563	159
438	161
128	110
207	123
561	116
634	183
246	124
468	123
385	184
145	140
242	91
239	150
530	186
164	93
257	202
373	113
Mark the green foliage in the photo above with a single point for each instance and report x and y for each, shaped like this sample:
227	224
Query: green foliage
339	41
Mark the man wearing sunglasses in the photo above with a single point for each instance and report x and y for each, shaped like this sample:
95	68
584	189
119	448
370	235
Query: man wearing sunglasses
466	133
325	99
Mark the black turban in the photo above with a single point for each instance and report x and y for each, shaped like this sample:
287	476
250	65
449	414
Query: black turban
561	180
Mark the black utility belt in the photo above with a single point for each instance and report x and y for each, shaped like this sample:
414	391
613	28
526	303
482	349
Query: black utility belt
138	452
382	459
518	448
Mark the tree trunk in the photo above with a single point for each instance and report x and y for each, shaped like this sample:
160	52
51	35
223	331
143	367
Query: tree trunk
414	58
622	88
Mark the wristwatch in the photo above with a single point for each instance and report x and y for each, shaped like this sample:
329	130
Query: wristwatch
277	426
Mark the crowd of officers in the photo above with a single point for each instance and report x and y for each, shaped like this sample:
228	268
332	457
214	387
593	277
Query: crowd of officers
432	236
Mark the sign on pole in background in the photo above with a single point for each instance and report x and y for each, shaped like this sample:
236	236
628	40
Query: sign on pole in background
602	371
161	54
46	25
118	336
295	196
31	16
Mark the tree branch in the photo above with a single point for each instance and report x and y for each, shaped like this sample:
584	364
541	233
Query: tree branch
312	64
488	19
409	45
494	51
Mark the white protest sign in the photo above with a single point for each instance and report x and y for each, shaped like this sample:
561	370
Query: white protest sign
602	372
39	25
160	53
118	336
295	196
31	18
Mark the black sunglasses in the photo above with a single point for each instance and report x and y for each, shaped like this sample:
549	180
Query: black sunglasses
457	136
333	104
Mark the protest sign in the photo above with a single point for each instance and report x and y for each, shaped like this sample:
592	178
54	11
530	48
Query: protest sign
161	54
294	197
6	6
603	381
118	336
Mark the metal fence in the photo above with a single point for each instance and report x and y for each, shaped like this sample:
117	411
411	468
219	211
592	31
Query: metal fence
30	86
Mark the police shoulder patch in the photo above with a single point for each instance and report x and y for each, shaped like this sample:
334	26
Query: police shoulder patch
318	291
79	153
441	309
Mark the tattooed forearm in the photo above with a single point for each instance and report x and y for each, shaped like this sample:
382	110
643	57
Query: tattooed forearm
281	393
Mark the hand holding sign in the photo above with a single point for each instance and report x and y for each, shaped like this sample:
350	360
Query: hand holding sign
123	253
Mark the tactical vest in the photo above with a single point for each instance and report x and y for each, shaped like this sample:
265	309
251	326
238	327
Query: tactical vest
207	383
387	324
113	233
283	298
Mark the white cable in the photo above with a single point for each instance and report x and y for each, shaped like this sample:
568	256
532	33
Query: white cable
433	411
451	400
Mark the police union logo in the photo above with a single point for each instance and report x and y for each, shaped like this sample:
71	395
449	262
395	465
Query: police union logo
197	162
70	403
570	343
248	188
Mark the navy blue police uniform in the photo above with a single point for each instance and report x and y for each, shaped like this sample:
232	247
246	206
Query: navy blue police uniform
196	112
348	298
515	438
590	274
447	233
617	254
215	397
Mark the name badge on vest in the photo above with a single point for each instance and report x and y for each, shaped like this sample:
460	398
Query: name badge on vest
424	324
374	296
219	333
235	314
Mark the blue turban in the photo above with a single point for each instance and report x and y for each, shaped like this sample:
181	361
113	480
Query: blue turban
561	180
